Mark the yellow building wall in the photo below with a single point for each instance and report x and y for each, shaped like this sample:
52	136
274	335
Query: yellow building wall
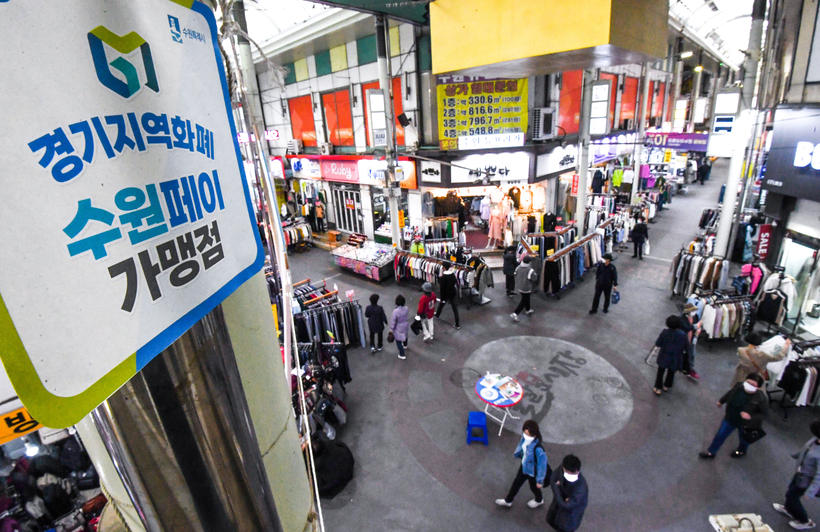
471	33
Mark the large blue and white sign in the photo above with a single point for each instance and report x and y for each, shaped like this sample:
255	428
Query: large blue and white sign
125	215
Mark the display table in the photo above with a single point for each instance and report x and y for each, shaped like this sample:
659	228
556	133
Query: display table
499	392
374	261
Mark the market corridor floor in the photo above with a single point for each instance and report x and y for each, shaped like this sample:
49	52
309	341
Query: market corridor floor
587	384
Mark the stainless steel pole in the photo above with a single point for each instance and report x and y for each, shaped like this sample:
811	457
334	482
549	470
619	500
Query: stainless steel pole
181	436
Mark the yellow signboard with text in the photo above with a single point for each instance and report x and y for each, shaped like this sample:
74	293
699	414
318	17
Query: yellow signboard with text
475	108
15	424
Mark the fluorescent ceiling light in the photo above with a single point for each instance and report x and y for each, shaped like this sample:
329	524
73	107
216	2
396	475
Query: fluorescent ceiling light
687	54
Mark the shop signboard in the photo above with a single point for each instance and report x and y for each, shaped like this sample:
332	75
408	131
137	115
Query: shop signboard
306	168
479	108
371	172
496	167
678	141
125	215
430	172
559	160
574	189
764	240
15	424
483	142
793	164
609	148
343	171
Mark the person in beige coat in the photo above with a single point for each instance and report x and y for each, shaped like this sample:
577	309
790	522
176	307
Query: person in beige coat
753	360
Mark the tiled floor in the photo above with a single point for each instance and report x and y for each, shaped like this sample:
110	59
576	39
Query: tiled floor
406	425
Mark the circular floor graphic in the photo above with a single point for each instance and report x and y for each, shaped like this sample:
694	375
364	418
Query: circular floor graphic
575	395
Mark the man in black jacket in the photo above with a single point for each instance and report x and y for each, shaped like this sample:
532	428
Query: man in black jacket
640	234
449	293
606	277
570	496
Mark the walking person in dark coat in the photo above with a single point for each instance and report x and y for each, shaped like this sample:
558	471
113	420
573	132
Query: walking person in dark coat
805	482
703	170
606	278
376	320
746	407
525	278
510	264
674	346
449	293
570	496
640	234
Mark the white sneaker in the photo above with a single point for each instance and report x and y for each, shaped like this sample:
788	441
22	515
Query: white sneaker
514	316
529	312
502	502
534	504
802	526
782	509
402	357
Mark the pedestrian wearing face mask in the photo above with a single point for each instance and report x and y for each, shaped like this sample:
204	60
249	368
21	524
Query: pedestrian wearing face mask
533	468
805	482
570	496
746	408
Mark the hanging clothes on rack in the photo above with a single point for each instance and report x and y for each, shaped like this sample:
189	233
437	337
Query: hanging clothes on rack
297	232
690	269
441	249
724	316
341	322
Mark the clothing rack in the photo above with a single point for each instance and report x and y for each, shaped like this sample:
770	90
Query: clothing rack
569	227
332	305
300	283
434	240
314	300
579	243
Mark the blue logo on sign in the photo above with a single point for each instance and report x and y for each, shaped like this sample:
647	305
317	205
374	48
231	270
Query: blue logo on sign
176	34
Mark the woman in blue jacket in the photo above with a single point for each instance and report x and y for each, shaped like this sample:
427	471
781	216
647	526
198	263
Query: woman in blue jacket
533	466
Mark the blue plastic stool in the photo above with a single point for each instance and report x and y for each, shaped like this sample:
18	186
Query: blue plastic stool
477	420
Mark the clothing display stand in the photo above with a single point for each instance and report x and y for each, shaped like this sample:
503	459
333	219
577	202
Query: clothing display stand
802	361
561	239
569	249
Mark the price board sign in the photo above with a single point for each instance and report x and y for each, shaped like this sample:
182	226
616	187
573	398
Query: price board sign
125	215
481	108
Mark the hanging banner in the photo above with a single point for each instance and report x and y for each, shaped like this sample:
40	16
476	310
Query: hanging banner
764	239
125	215
678	141
490	108
574	189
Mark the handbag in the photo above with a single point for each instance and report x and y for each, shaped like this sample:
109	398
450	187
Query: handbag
646	248
416	327
391	337
616	296
752	434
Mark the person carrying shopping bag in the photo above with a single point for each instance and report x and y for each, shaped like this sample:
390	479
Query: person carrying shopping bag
426	310
746	408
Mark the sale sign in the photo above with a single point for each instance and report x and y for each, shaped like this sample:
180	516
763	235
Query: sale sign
763	240
575	179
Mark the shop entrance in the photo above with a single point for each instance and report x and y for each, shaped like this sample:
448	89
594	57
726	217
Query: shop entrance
347	206
800	262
